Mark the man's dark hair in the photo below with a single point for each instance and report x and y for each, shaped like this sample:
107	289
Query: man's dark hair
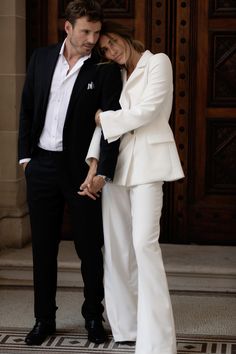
79	8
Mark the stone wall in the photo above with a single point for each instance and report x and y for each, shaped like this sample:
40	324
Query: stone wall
14	222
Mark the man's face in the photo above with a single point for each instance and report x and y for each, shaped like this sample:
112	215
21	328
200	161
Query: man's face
83	36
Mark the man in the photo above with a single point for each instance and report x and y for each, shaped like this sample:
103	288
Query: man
64	88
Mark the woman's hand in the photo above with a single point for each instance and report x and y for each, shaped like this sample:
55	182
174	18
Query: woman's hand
87	193
84	187
94	188
97	117
97	184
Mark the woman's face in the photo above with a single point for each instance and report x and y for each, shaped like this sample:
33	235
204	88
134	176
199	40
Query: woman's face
115	48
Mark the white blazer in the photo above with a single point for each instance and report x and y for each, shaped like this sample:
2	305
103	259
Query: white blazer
147	149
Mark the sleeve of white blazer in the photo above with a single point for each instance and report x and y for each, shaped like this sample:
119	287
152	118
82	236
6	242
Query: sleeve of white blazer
160	82
94	147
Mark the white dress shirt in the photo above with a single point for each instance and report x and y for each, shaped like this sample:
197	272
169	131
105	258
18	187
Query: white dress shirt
62	84
60	92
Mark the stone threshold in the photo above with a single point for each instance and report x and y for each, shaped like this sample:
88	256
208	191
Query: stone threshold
189	267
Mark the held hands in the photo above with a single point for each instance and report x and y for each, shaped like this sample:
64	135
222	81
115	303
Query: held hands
92	187
84	188
92	184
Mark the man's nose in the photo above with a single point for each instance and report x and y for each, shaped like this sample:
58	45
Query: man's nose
93	38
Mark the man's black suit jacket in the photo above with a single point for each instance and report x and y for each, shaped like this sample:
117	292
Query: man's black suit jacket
97	86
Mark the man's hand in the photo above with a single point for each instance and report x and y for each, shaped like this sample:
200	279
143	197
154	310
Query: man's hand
87	193
94	188
91	173
85	186
97	184
24	164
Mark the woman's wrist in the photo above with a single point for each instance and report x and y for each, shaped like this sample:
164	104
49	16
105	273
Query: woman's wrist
97	117
93	165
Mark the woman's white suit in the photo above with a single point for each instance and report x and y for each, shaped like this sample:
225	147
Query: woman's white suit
136	292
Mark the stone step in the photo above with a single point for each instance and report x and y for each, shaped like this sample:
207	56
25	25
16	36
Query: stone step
16	266
189	267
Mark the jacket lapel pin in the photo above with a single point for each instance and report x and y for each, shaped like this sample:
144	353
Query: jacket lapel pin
90	86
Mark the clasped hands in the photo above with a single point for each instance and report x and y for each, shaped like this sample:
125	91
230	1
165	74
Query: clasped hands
92	185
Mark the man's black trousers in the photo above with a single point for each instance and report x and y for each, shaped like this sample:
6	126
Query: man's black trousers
48	189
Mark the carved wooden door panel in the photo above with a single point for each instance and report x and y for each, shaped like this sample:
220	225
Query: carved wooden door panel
200	38
212	164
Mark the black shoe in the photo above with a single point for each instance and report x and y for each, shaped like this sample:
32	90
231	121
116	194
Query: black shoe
96	331
131	343
40	331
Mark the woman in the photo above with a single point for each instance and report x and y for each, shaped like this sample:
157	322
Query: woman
136	292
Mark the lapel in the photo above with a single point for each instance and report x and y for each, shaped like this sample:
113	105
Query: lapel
47	76
140	67
82	80
138	71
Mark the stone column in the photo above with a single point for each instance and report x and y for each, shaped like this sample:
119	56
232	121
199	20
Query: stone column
14	222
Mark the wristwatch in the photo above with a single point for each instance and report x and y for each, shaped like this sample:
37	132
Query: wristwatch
106	179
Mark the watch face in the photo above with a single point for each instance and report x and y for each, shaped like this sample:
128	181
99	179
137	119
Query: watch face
106	179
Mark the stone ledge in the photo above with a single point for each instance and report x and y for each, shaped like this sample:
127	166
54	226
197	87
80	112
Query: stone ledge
188	267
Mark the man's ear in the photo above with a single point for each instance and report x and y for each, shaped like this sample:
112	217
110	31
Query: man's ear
68	27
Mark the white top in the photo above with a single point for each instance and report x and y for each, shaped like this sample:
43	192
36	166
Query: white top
62	84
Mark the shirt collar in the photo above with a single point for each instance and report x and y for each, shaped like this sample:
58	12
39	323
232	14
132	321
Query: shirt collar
62	51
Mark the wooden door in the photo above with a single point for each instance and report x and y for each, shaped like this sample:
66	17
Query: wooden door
211	191
200	38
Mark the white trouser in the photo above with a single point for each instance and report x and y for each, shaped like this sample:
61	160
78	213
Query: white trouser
136	292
